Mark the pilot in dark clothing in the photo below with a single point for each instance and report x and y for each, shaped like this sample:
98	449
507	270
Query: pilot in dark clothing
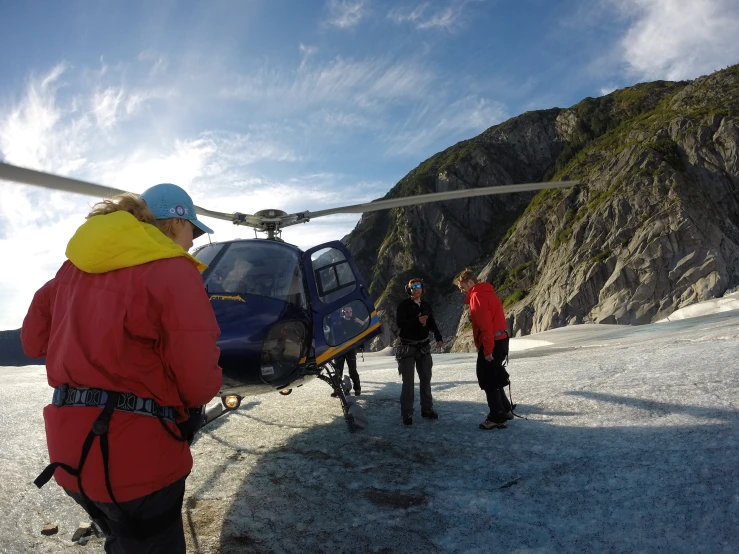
349	327
415	320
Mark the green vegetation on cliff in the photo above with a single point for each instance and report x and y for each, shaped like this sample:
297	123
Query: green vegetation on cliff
625	145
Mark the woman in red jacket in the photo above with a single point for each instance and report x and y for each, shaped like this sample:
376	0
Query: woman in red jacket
126	326
490	332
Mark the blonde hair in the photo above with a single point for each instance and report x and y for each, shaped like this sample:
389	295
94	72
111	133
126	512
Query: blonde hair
466	275
132	204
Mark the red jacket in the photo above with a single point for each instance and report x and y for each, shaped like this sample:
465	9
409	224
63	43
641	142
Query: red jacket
130	325
486	311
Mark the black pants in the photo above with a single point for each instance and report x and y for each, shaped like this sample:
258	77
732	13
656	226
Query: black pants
107	516
422	363
350	356
492	377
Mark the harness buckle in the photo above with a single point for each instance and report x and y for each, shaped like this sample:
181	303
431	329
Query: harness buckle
99	427
60	395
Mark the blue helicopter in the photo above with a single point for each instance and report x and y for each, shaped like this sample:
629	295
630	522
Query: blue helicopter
279	308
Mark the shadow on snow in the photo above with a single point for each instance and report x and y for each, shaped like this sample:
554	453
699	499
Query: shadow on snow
446	486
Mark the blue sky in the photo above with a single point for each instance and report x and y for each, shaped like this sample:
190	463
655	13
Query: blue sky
297	105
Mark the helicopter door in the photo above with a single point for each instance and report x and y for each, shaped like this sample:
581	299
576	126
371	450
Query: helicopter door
343	313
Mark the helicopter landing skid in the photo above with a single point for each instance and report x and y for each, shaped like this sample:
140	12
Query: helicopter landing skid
353	412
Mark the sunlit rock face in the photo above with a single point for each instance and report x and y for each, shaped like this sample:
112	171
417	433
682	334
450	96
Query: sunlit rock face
654	228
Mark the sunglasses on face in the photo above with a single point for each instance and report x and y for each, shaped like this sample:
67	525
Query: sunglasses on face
417	286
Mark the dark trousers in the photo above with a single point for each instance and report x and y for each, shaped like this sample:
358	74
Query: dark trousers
351	361
422	363
109	518
492	377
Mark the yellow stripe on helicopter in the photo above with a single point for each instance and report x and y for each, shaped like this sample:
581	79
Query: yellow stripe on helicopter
224	297
331	351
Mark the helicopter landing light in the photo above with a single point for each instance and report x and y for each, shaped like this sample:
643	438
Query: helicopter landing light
285	392
232	401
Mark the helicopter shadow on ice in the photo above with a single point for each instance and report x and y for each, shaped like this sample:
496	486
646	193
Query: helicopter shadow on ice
445	485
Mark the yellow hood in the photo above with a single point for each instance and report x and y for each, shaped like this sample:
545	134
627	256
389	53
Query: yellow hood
117	240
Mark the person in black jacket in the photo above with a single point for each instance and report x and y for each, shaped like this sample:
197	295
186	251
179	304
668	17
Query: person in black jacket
350	327
415	320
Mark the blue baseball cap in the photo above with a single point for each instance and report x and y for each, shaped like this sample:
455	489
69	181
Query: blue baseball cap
167	201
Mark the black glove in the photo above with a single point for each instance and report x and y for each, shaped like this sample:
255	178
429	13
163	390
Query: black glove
194	421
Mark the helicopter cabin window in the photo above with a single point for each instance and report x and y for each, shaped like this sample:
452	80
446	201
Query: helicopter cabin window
261	268
334	276
346	323
206	254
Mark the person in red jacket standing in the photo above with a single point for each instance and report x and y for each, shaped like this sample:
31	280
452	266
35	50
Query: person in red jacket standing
126	326
491	339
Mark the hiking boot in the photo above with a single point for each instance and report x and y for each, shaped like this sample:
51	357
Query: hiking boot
508	415
408	419
429	414
490	424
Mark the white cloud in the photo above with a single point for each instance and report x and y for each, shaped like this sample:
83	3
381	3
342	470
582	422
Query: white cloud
306	53
608	89
445	122
105	106
158	63
679	39
346	13
338	119
41	132
338	82
408	15
430	16
29	131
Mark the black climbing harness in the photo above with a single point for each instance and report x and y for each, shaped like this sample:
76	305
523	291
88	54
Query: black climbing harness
407	348
510	394
111	401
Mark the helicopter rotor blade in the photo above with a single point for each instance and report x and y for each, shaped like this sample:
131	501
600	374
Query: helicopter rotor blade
219	215
56	182
263	222
433	197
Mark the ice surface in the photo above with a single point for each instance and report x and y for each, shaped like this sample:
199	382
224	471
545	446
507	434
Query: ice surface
631	444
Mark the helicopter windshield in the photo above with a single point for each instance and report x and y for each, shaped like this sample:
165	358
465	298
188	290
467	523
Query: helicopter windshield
262	268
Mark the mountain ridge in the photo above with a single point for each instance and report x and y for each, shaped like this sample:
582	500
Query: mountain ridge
11	350
659	160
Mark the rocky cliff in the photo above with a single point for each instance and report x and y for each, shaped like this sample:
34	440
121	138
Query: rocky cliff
654	227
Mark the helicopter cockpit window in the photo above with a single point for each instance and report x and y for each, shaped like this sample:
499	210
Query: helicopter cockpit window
259	268
207	253
346	323
334	275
